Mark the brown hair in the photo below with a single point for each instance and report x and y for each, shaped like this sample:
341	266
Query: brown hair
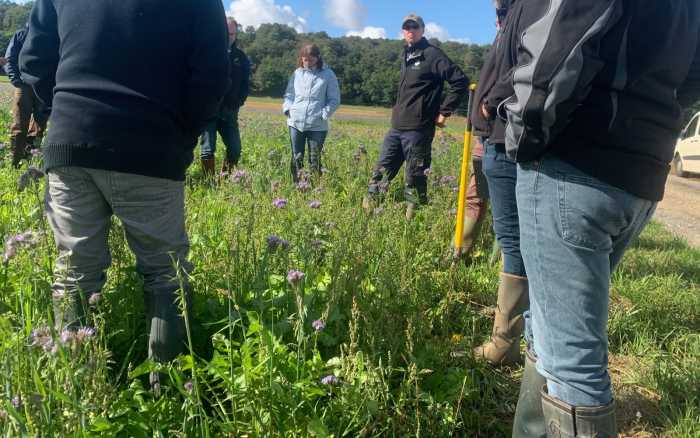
310	49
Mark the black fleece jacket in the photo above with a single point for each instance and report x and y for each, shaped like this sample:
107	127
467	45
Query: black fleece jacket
601	84
424	70
130	83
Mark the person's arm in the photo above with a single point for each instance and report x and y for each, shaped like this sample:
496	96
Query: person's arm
40	52
555	70
12	67
289	95
245	79
208	65
332	96
689	92
458	85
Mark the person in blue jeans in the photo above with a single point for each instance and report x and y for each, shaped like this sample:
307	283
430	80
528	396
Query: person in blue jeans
226	122
311	98
503	348
593	148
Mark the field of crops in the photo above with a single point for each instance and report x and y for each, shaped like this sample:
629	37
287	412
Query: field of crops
313	318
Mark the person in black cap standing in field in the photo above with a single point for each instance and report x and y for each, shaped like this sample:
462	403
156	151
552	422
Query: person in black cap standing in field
419	108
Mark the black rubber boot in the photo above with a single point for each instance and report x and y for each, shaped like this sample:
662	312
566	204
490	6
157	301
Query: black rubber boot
565	421
529	418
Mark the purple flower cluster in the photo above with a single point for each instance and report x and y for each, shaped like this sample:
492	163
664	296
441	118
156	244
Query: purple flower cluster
239	175
318	325
427	171
188	386
29	177
304	185
95	299
315	204
13	243
35	152
41	338
294	277
275	242
447	179
330	380
279	203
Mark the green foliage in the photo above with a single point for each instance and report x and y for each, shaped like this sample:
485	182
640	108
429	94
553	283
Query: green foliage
394	308
13	16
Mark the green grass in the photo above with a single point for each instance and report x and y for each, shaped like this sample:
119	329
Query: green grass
394	308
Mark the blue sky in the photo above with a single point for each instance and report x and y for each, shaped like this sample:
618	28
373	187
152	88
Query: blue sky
466	21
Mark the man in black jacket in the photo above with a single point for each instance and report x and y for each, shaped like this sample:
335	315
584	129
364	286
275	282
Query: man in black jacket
419	108
226	123
593	125
123	130
28	114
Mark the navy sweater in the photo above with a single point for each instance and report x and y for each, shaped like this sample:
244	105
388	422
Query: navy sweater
130	84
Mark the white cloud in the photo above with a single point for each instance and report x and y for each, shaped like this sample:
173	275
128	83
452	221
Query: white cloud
368	32
257	12
346	14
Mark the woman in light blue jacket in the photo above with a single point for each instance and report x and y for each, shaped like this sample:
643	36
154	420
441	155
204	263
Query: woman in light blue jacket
311	98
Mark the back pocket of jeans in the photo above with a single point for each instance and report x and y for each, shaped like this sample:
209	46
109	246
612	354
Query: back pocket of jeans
589	212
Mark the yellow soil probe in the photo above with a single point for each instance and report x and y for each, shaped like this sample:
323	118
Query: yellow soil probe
464	175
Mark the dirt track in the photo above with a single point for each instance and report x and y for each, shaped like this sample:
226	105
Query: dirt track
680	209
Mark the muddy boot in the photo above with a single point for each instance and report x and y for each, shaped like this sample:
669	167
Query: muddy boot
208	167
411	208
565	421
529	419
19	150
167	330
504	346
227	167
368	203
470	233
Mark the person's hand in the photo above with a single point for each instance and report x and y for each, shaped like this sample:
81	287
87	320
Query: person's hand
3	61
440	121
485	112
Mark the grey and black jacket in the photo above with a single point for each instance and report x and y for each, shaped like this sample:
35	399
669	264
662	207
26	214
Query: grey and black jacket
424	70
601	83
12	56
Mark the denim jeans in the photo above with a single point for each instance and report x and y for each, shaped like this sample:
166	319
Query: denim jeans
574	230
226	124
80	203
501	175
413	147
298	140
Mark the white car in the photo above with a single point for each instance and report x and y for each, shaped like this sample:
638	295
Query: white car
687	157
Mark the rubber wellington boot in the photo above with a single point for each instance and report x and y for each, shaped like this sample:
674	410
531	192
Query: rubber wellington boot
504	346
19	150
565	421
411	208
529	419
208	167
227	166
470	233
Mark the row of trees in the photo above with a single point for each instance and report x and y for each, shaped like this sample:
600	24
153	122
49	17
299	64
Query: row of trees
12	18
367	69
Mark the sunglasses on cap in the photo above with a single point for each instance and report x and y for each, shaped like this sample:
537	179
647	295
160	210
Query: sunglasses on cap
411	26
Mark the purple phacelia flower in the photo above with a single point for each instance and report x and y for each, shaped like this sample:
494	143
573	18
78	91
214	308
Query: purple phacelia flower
304	185
67	336
95	299
188	386
427	171
447	179
276	242
330	380
279	203
16	402
35	152
239	175
294	277
83	334
315	204
318	325
13	243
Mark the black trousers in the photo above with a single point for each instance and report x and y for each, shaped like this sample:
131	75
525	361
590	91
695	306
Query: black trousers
412	147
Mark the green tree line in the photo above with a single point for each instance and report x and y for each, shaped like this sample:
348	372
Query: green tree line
12	18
